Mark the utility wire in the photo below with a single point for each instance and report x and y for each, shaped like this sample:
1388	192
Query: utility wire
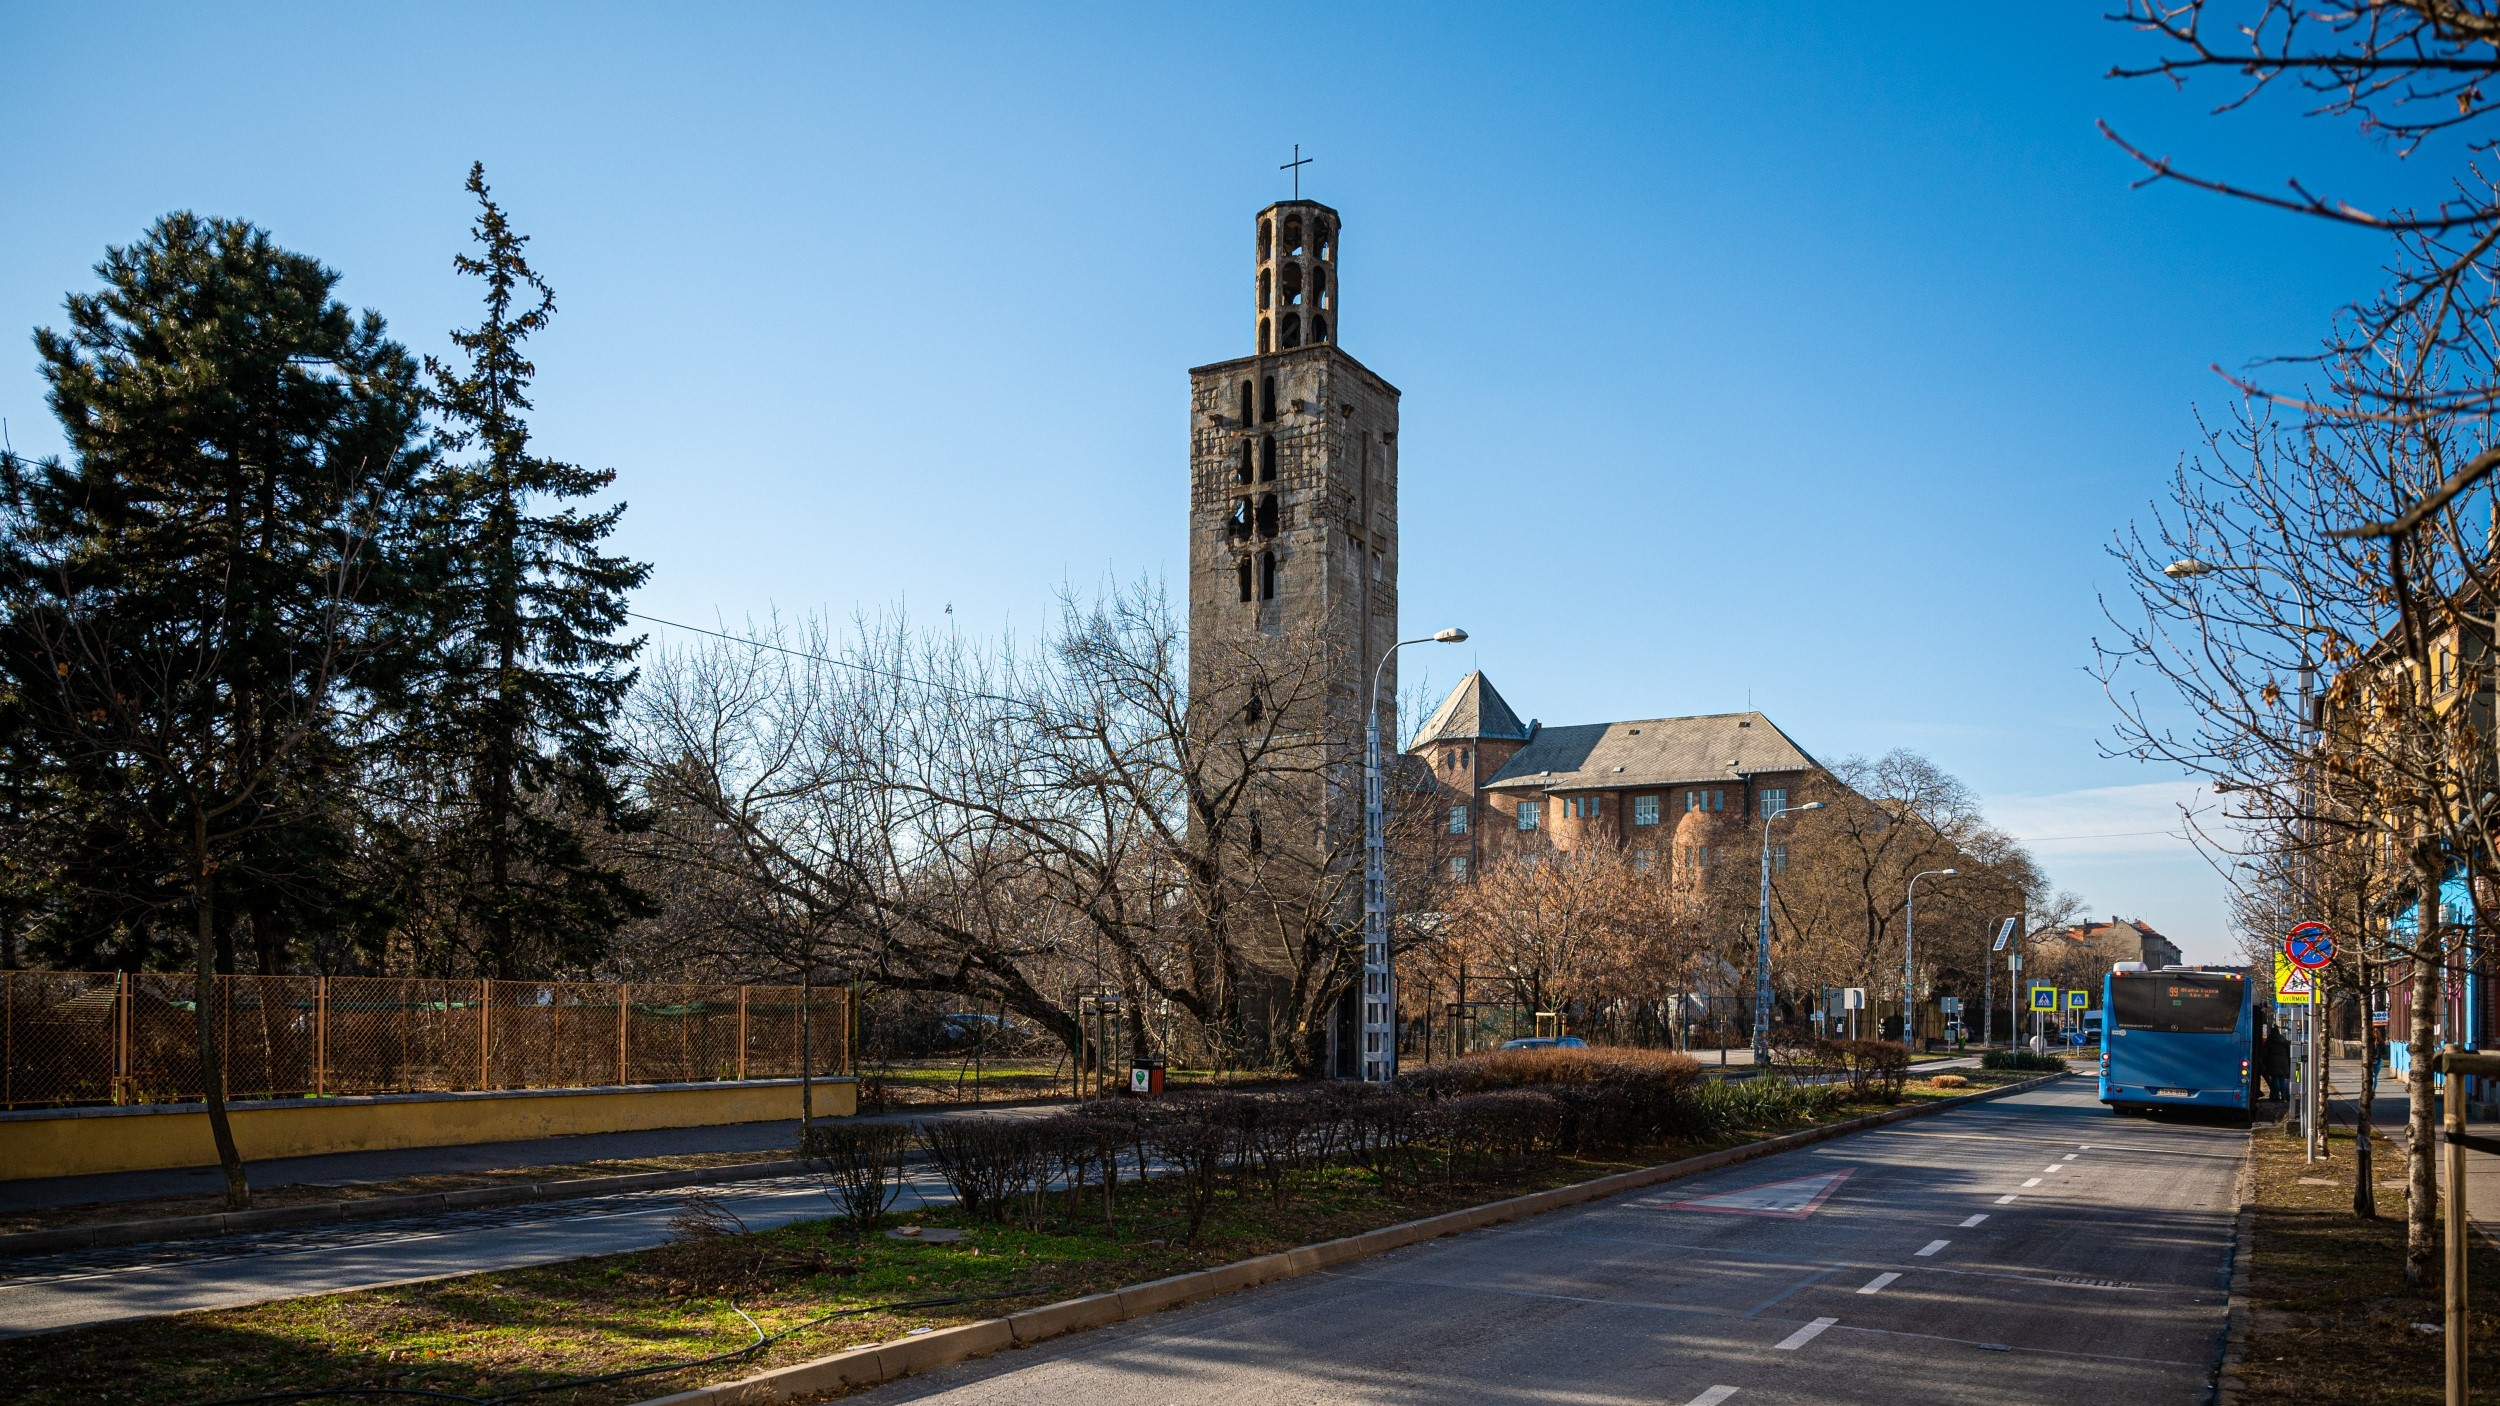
753	643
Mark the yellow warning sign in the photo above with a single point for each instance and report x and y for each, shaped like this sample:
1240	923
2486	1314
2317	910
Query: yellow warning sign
2292	986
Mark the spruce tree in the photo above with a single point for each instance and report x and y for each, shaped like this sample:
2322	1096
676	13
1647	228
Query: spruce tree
510	721
188	597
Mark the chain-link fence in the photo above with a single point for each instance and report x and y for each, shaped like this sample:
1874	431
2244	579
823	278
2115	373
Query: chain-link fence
103	1037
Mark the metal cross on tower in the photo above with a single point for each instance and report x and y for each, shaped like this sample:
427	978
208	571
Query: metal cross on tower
1299	161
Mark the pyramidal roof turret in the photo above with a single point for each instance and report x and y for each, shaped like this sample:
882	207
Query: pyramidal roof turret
1473	710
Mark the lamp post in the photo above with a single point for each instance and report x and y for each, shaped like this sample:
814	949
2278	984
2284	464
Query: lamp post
1380	986
2310	1114
1762	939
1909	957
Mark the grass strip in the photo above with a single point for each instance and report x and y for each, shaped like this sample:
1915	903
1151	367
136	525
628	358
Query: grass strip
2330	1322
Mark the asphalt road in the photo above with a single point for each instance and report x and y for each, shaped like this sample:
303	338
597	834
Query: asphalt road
2033	1249
41	1294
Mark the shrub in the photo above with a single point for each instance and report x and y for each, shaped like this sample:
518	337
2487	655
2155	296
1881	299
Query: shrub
1948	1081
1617	1098
864	1161
1731	1106
990	1163
2022	1059
1877	1070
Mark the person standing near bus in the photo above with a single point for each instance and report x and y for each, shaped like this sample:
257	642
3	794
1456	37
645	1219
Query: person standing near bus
2274	1060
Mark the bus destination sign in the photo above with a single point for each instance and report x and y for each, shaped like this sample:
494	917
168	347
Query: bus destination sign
2310	945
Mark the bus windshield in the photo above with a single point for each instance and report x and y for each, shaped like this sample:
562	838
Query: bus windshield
2178	1002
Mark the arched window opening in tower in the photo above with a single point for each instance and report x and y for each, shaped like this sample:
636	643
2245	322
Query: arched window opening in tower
1238	526
1241	468
1248	406
1257	842
1265	229
1267	458
1267	514
1267	576
1243	570
1293	235
1262	336
1292	285
1263	276
1290	335
1254	710
1319	330
1326	236
1267	398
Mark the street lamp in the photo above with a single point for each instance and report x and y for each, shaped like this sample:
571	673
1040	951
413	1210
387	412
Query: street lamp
1380	986
1762	937
1909	957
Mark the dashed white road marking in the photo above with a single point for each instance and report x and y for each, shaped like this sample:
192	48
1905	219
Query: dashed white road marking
2035	1181
2006	1200
1933	1246
1804	1335
1974	1220
2069	1157
2051	1170
1876	1284
1713	1396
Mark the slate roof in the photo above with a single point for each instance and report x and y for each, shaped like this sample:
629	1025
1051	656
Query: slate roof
1651	752
1473	710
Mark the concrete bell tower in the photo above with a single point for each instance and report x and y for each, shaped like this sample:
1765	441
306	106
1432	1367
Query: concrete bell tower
1293	505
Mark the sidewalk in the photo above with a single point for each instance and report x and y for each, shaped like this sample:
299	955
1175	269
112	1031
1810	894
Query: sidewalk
2387	1127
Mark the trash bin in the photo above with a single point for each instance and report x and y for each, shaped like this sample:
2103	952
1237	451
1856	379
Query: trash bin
1145	1078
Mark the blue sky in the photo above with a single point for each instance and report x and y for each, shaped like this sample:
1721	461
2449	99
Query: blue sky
1806	360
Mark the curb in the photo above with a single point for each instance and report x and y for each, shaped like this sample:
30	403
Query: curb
878	1363
2227	1384
135	1232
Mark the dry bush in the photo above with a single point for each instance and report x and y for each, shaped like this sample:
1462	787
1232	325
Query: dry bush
1878	1070
1947	1081
864	1161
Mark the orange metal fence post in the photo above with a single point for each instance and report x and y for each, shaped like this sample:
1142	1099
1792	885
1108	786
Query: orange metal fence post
321	1037
485	1012
742	1034
125	997
620	1032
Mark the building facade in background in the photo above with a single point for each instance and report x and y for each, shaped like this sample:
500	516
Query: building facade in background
1675	795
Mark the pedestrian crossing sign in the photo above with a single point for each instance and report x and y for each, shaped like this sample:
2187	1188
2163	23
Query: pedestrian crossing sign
2078	1000
2292	985
2044	998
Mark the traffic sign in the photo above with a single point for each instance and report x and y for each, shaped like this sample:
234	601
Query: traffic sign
2310	945
2044	998
2292	986
2078	1000
2003	934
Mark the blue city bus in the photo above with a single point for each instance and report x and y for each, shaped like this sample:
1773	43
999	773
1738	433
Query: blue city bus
2180	1037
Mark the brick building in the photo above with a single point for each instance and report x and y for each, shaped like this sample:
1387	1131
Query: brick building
1670	792
2122	940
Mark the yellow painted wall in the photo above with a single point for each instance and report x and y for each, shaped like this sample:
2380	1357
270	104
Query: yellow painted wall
133	1142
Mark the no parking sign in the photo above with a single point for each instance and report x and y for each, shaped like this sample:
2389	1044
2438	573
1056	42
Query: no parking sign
2310	945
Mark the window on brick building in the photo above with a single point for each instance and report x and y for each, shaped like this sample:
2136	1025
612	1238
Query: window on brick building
1705	800
1529	814
1642	859
1774	799
1644	810
1779	859
1458	867
1458	820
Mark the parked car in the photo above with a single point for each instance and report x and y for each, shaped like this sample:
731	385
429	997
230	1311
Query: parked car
1547	1042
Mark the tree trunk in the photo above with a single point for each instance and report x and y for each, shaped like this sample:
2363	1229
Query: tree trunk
2421	1112
212	1066
2364	1185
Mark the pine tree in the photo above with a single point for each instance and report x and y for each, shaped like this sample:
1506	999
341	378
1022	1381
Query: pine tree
510	720
190	594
